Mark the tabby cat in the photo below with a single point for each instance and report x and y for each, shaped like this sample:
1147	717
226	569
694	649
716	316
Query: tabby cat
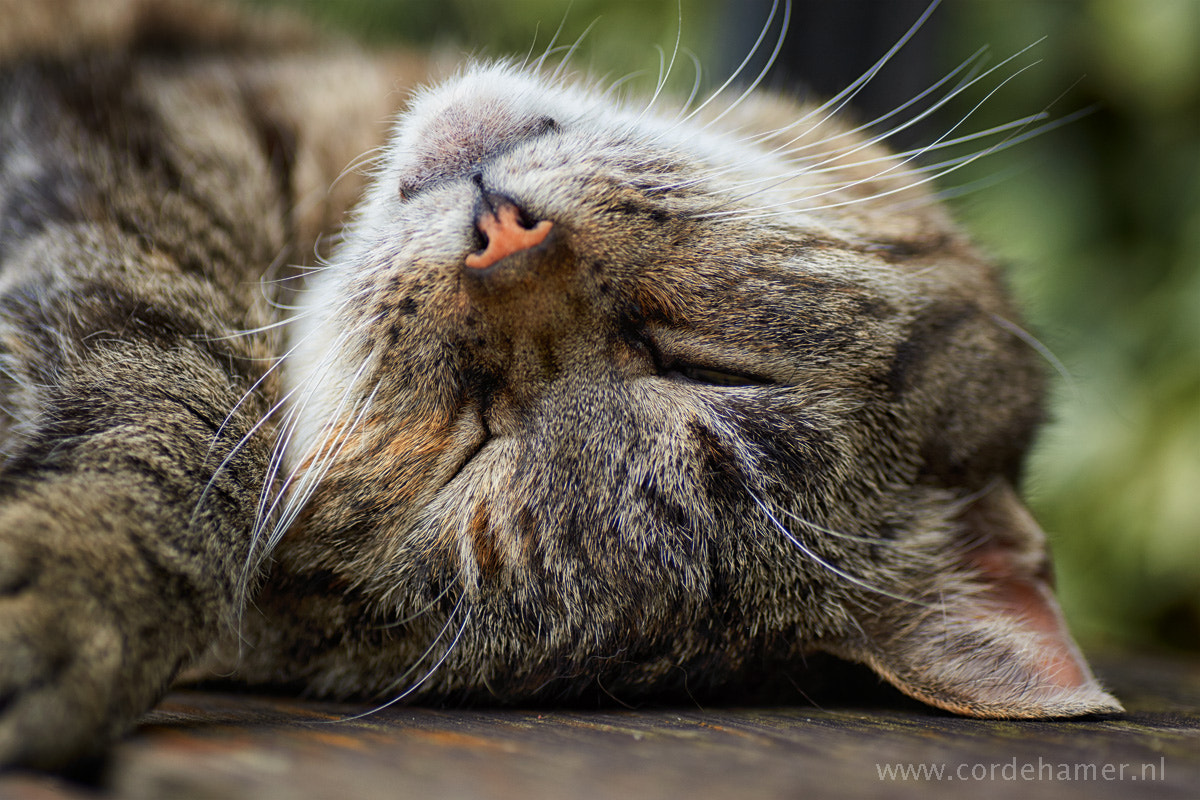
592	398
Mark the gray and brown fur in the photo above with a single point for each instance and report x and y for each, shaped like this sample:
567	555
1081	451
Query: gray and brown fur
671	450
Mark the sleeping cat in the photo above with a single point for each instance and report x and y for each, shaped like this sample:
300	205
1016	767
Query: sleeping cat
592	398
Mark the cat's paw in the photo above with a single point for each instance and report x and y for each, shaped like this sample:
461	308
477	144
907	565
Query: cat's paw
62	659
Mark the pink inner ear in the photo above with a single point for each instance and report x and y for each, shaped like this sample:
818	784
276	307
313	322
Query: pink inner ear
1029	602
998	645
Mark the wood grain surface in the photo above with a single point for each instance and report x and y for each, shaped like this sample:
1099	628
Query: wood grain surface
206	744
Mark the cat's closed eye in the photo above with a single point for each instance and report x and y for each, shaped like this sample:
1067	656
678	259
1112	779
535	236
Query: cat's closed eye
715	377
699	364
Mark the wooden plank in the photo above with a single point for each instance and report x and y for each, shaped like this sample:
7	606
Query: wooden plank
227	745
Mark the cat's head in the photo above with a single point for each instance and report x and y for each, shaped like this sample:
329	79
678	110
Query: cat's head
623	393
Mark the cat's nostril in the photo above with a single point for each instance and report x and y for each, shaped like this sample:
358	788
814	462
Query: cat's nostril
504	228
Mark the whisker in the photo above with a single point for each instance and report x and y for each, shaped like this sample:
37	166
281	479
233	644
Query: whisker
424	610
562	65
873	540
788	204
698	80
847	94
541	63
842	98
276	365
953	192
1042	350
967	81
537	26
783	31
808	552
745	62
902	159
241	334
664	74
410	690
269	501
371	157
890	158
324	445
612	88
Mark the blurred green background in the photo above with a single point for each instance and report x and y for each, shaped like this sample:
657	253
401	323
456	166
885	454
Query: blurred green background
1098	221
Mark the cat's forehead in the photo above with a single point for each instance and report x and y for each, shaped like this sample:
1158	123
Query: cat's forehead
500	91
489	107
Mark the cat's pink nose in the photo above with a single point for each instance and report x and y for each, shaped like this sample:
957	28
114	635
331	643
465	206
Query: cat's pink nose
505	230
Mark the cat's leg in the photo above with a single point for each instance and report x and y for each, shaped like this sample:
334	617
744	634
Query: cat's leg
133	469
136	216
125	508
142	201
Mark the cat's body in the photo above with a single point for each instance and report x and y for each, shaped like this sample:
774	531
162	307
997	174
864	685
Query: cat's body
591	399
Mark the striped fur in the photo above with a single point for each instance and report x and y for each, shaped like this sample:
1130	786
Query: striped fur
753	397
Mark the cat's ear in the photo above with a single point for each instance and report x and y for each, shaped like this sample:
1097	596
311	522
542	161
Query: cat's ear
995	643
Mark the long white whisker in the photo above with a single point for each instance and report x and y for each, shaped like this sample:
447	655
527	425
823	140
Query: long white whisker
808	551
562	65
268	504
612	88
316	473
277	363
424	609
955	165
554	39
831	532
697	82
793	151
954	92
745	62
1045	352
322	448
783	31
890	158
911	155
958	90
905	156
537	26
242	334
876	176
842	98
664	74
370	157
449	649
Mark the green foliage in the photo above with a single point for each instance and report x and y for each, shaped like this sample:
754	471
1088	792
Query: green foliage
1102	228
616	37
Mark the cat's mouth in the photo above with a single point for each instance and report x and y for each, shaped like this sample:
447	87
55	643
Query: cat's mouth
470	452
